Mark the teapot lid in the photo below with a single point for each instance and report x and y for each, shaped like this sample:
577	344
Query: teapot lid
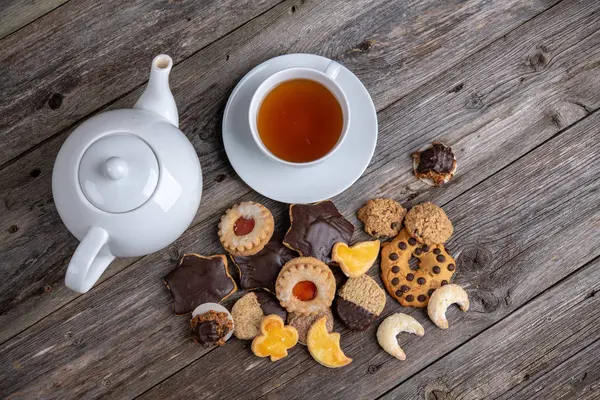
118	173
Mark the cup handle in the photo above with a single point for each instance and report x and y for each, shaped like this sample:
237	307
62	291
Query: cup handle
332	70
89	261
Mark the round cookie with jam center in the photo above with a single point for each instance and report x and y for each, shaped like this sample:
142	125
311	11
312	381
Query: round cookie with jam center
305	285
411	271
246	228
359	302
428	223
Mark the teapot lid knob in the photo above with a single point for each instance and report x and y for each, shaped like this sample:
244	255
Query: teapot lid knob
115	168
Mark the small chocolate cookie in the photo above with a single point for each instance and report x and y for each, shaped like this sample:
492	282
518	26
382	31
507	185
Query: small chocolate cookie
199	280
359	302
434	165
261	269
249	311
382	217
315	228
303	322
411	271
211	328
428	223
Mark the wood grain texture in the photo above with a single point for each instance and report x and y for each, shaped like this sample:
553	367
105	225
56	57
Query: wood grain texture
38	251
524	355
87	60
86	54
15	14
503	227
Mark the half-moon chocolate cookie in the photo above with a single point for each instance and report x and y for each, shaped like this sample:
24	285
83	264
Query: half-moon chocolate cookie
359	302
198	280
315	228
261	269
249	311
411	271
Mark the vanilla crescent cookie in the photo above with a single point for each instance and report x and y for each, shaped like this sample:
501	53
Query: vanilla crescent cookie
246	228
411	271
305	285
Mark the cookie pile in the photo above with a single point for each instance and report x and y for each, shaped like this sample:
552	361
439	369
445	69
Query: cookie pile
291	288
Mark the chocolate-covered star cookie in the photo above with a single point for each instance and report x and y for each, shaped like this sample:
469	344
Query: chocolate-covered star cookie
261	269
199	280
315	228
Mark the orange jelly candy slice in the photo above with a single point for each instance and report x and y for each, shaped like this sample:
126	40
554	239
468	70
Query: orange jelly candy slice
275	338
324	347
355	260
305	290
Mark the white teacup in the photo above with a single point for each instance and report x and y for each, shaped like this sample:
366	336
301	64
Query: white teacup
326	78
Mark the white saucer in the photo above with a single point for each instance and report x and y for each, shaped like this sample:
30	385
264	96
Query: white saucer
289	184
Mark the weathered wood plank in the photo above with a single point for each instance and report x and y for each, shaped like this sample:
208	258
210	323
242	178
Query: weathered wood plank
525	352
71	54
540	211
85	54
39	249
15	14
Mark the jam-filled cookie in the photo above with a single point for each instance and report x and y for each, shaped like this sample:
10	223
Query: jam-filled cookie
315	228
246	228
305	285
428	223
411	271
198	280
359	302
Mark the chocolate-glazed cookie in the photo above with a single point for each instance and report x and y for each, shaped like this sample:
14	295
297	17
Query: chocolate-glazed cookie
199	280
435	165
211	328
315	228
261	270
359	302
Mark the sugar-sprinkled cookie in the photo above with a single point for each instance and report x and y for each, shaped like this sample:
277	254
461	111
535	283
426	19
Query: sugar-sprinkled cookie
428	223
246	228
382	218
411	271
197	280
359	302
315	228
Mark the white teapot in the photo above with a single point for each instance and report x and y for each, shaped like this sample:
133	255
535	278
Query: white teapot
126	182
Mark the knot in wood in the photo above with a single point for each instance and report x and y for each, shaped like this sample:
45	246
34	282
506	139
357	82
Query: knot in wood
372	369
174	253
436	395
474	102
13	229
55	101
484	301
538	61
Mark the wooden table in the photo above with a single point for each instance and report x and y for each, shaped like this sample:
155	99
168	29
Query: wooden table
513	86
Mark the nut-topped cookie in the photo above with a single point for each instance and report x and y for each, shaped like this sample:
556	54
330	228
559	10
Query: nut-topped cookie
411	271
315	228
428	223
246	228
382	218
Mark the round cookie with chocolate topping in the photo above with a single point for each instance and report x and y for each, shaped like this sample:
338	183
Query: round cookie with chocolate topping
249	311
411	271
428	223
435	164
246	228
359	302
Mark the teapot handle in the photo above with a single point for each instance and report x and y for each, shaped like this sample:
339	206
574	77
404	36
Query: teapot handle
89	261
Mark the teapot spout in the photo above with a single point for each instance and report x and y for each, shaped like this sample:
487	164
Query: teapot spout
157	97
